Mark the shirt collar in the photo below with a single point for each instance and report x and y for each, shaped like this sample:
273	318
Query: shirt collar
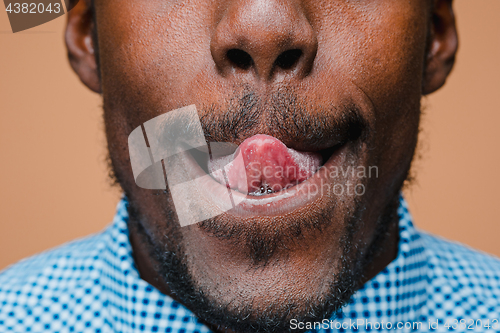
398	292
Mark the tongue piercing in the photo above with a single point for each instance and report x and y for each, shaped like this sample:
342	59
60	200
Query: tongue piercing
265	189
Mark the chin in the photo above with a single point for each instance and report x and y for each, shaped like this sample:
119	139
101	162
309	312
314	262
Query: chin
255	274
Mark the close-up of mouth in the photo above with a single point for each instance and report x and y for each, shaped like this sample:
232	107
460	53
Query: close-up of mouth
263	165
265	177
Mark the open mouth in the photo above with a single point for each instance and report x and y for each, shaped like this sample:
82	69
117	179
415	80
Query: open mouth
263	165
260	177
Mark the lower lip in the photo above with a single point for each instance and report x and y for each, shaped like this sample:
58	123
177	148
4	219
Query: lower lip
278	203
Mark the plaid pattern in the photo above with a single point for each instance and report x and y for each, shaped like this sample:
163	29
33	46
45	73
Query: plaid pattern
92	285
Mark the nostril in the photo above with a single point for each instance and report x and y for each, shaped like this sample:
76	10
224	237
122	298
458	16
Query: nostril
239	58
288	59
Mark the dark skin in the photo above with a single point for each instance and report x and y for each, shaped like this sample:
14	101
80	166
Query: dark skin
378	57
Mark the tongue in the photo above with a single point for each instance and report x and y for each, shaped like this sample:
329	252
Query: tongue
263	164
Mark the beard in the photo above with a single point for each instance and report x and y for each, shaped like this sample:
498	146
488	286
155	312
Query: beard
172	265
170	249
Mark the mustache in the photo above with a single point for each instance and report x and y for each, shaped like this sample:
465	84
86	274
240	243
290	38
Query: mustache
294	121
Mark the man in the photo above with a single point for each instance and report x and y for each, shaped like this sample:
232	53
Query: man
335	83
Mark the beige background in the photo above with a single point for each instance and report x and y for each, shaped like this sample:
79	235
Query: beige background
53	179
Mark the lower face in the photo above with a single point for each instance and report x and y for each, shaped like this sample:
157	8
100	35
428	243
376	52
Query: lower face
254	269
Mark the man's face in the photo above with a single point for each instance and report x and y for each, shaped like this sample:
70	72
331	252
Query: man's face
339	77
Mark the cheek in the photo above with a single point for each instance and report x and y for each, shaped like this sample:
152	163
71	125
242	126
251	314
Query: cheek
151	52
379	47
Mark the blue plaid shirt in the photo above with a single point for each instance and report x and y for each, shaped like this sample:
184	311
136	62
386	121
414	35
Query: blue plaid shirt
92	285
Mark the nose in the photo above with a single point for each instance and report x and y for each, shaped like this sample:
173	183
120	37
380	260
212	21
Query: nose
266	38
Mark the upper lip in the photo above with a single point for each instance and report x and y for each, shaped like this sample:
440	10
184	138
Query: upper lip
325	140
325	146
330	138
305	142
